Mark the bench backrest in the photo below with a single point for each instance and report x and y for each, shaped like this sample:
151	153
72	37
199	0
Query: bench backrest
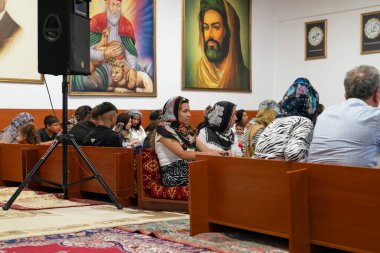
12	161
114	164
52	168
245	193
344	206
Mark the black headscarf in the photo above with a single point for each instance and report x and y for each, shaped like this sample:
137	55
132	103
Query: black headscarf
217	123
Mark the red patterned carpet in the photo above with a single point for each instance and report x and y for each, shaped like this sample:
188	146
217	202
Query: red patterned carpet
238	242
96	240
167	236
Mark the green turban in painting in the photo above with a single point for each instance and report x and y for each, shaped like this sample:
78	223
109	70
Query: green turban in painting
216	5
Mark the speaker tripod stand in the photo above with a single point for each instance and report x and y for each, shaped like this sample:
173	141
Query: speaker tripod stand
65	139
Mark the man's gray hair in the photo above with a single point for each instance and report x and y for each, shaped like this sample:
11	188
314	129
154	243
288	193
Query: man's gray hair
361	82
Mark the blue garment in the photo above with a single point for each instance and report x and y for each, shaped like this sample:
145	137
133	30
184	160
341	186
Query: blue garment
348	134
44	137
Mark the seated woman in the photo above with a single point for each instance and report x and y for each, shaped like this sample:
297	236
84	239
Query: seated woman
217	133
123	128
137	131
10	132
265	115
175	142
154	119
288	137
28	134
241	117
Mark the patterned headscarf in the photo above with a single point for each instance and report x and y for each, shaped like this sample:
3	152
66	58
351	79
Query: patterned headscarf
18	121
268	104
217	123
267	112
171	128
301	99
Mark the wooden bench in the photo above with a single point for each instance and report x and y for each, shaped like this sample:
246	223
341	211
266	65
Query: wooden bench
13	162
52	169
115	165
145	200
342	206
237	192
310	204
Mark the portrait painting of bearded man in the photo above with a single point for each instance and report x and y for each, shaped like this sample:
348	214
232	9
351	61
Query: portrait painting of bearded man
122	55
217	47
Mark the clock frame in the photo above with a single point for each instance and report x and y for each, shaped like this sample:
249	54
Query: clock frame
369	36
316	48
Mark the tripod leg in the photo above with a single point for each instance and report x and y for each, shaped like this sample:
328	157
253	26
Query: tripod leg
96	174
31	175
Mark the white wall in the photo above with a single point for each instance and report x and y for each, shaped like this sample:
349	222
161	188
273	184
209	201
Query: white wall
168	32
343	44
277	57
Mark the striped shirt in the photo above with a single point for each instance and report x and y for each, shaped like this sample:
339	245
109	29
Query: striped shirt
285	138
348	134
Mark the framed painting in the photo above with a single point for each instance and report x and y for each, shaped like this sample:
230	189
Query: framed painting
18	42
122	50
216	45
370	33
316	39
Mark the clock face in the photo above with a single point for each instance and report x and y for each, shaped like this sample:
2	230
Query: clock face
372	28
315	36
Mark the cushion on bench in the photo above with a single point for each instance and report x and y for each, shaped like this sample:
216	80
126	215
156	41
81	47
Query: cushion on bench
150	168
162	192
151	177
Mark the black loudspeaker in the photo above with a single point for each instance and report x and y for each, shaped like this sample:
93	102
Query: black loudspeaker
63	37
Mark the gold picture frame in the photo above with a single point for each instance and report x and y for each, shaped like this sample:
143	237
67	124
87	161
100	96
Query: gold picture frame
316	39
370	33
210	77
139	39
18	43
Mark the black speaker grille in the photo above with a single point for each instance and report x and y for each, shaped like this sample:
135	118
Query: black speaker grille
63	39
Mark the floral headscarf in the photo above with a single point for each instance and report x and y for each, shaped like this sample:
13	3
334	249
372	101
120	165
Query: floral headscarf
217	123
301	99
171	128
18	121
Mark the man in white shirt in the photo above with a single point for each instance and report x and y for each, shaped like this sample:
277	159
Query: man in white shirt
349	133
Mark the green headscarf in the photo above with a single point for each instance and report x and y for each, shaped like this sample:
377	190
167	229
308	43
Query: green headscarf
216	5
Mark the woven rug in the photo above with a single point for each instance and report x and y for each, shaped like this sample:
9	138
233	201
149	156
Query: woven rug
19	224
178	231
97	240
34	200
